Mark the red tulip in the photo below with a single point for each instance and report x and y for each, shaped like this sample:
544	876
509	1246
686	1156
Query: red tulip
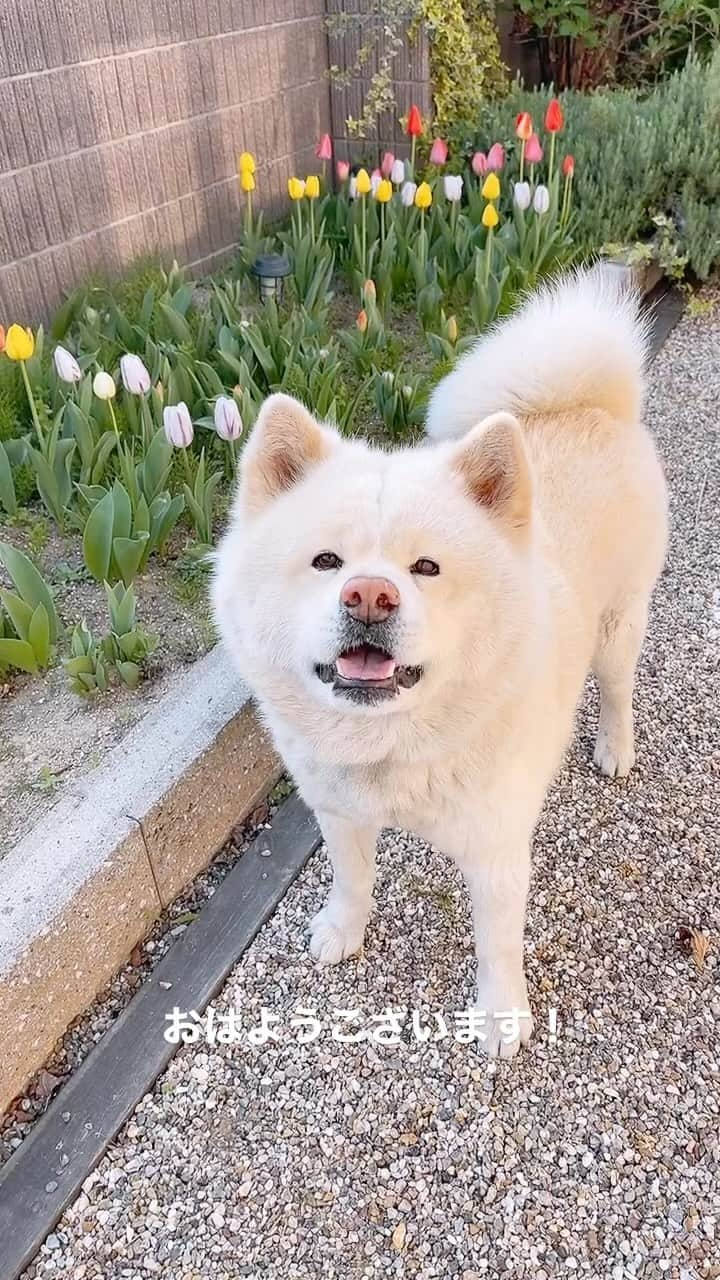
323	150
342	168
479	164
523	126
568	166
496	157
414	122
554	118
439	152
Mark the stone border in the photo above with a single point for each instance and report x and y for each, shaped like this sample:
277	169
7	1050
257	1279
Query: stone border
85	885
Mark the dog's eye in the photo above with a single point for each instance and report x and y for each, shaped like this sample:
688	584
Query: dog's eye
426	568
327	560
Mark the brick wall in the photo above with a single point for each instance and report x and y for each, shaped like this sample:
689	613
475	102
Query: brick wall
120	126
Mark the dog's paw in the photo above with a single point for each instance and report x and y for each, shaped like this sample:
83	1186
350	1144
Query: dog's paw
613	756
333	939
507	1023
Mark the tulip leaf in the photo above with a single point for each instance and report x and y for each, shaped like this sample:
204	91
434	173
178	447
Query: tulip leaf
18	653
19	612
146	311
103	449
29	584
8	499
122	507
129	673
175	323
97	537
127	553
39	635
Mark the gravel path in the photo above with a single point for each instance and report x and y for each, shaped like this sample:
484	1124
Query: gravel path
597	1153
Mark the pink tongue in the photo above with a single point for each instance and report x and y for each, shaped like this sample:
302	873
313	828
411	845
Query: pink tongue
365	664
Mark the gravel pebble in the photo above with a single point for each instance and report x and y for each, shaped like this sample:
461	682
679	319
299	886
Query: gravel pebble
597	1151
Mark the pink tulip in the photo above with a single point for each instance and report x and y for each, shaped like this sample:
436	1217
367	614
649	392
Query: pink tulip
387	163
496	157
342	168
439	152
533	150
323	150
479	164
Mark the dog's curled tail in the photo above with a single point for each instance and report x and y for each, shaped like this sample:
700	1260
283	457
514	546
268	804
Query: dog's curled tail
578	343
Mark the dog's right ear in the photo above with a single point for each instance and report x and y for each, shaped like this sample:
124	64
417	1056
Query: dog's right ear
285	443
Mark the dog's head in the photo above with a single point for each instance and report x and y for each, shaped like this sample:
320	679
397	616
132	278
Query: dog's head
369	579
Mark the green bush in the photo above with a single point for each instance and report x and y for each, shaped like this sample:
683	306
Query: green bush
636	156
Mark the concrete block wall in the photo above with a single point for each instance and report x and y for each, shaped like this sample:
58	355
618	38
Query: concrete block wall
120	126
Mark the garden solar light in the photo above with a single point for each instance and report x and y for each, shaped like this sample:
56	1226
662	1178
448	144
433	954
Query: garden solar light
271	269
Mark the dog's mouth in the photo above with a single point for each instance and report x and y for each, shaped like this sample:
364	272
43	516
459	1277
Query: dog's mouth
367	673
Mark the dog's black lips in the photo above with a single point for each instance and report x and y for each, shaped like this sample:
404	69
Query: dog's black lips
379	636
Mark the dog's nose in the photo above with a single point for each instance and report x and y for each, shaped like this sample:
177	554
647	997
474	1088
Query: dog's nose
370	599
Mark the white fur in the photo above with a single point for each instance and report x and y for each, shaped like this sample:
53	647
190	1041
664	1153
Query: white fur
506	633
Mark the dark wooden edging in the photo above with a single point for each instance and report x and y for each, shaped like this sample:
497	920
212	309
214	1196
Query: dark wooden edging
46	1173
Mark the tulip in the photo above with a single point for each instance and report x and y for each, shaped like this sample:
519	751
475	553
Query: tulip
453	185
423	196
452	330
135	376
364	184
19	343
247	181
554	119
386	164
342	169
104	385
296	188
352	188
490	187
383	191
523	126
67	366
521	195
246	163
490	217
541	199
568	166
479	164
228	422
375	180
369	291
490	220
177	425
414	122
439	152
496	157
323	150
362	320
533	150
397	173
2	337
407	195
312	187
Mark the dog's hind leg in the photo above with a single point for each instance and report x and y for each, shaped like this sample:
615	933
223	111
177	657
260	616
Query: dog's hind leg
619	642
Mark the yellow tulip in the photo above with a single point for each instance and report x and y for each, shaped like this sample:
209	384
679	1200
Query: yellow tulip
452	330
363	182
312	187
384	191
246	163
491	187
423	196
490	217
19	343
247	181
296	188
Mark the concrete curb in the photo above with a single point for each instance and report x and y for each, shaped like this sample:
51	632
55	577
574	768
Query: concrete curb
82	888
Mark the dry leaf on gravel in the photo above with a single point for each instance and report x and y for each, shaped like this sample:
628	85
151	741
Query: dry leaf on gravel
398	1237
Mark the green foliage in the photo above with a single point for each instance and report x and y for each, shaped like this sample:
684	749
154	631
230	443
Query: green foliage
200	497
8	497
399	400
30	611
121	651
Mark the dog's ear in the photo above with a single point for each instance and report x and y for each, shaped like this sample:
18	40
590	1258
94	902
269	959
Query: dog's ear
492	463
286	442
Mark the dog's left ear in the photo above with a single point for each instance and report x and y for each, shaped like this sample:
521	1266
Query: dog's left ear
493	465
285	444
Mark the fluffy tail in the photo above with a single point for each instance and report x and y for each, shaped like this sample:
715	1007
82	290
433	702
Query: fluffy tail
577	343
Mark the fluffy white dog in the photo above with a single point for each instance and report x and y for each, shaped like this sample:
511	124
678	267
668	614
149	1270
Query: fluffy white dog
417	625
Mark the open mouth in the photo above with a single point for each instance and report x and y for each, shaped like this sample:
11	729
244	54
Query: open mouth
367	673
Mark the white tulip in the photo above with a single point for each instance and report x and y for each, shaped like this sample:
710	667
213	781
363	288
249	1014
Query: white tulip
178	425
407	195
521	195
397	173
541	200
352	187
135	376
228	422
103	386
67	366
453	185
375	181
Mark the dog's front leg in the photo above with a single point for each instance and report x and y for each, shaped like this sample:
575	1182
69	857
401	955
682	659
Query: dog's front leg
338	929
497	875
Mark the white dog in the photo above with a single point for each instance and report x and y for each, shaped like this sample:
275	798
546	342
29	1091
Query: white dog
417	626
